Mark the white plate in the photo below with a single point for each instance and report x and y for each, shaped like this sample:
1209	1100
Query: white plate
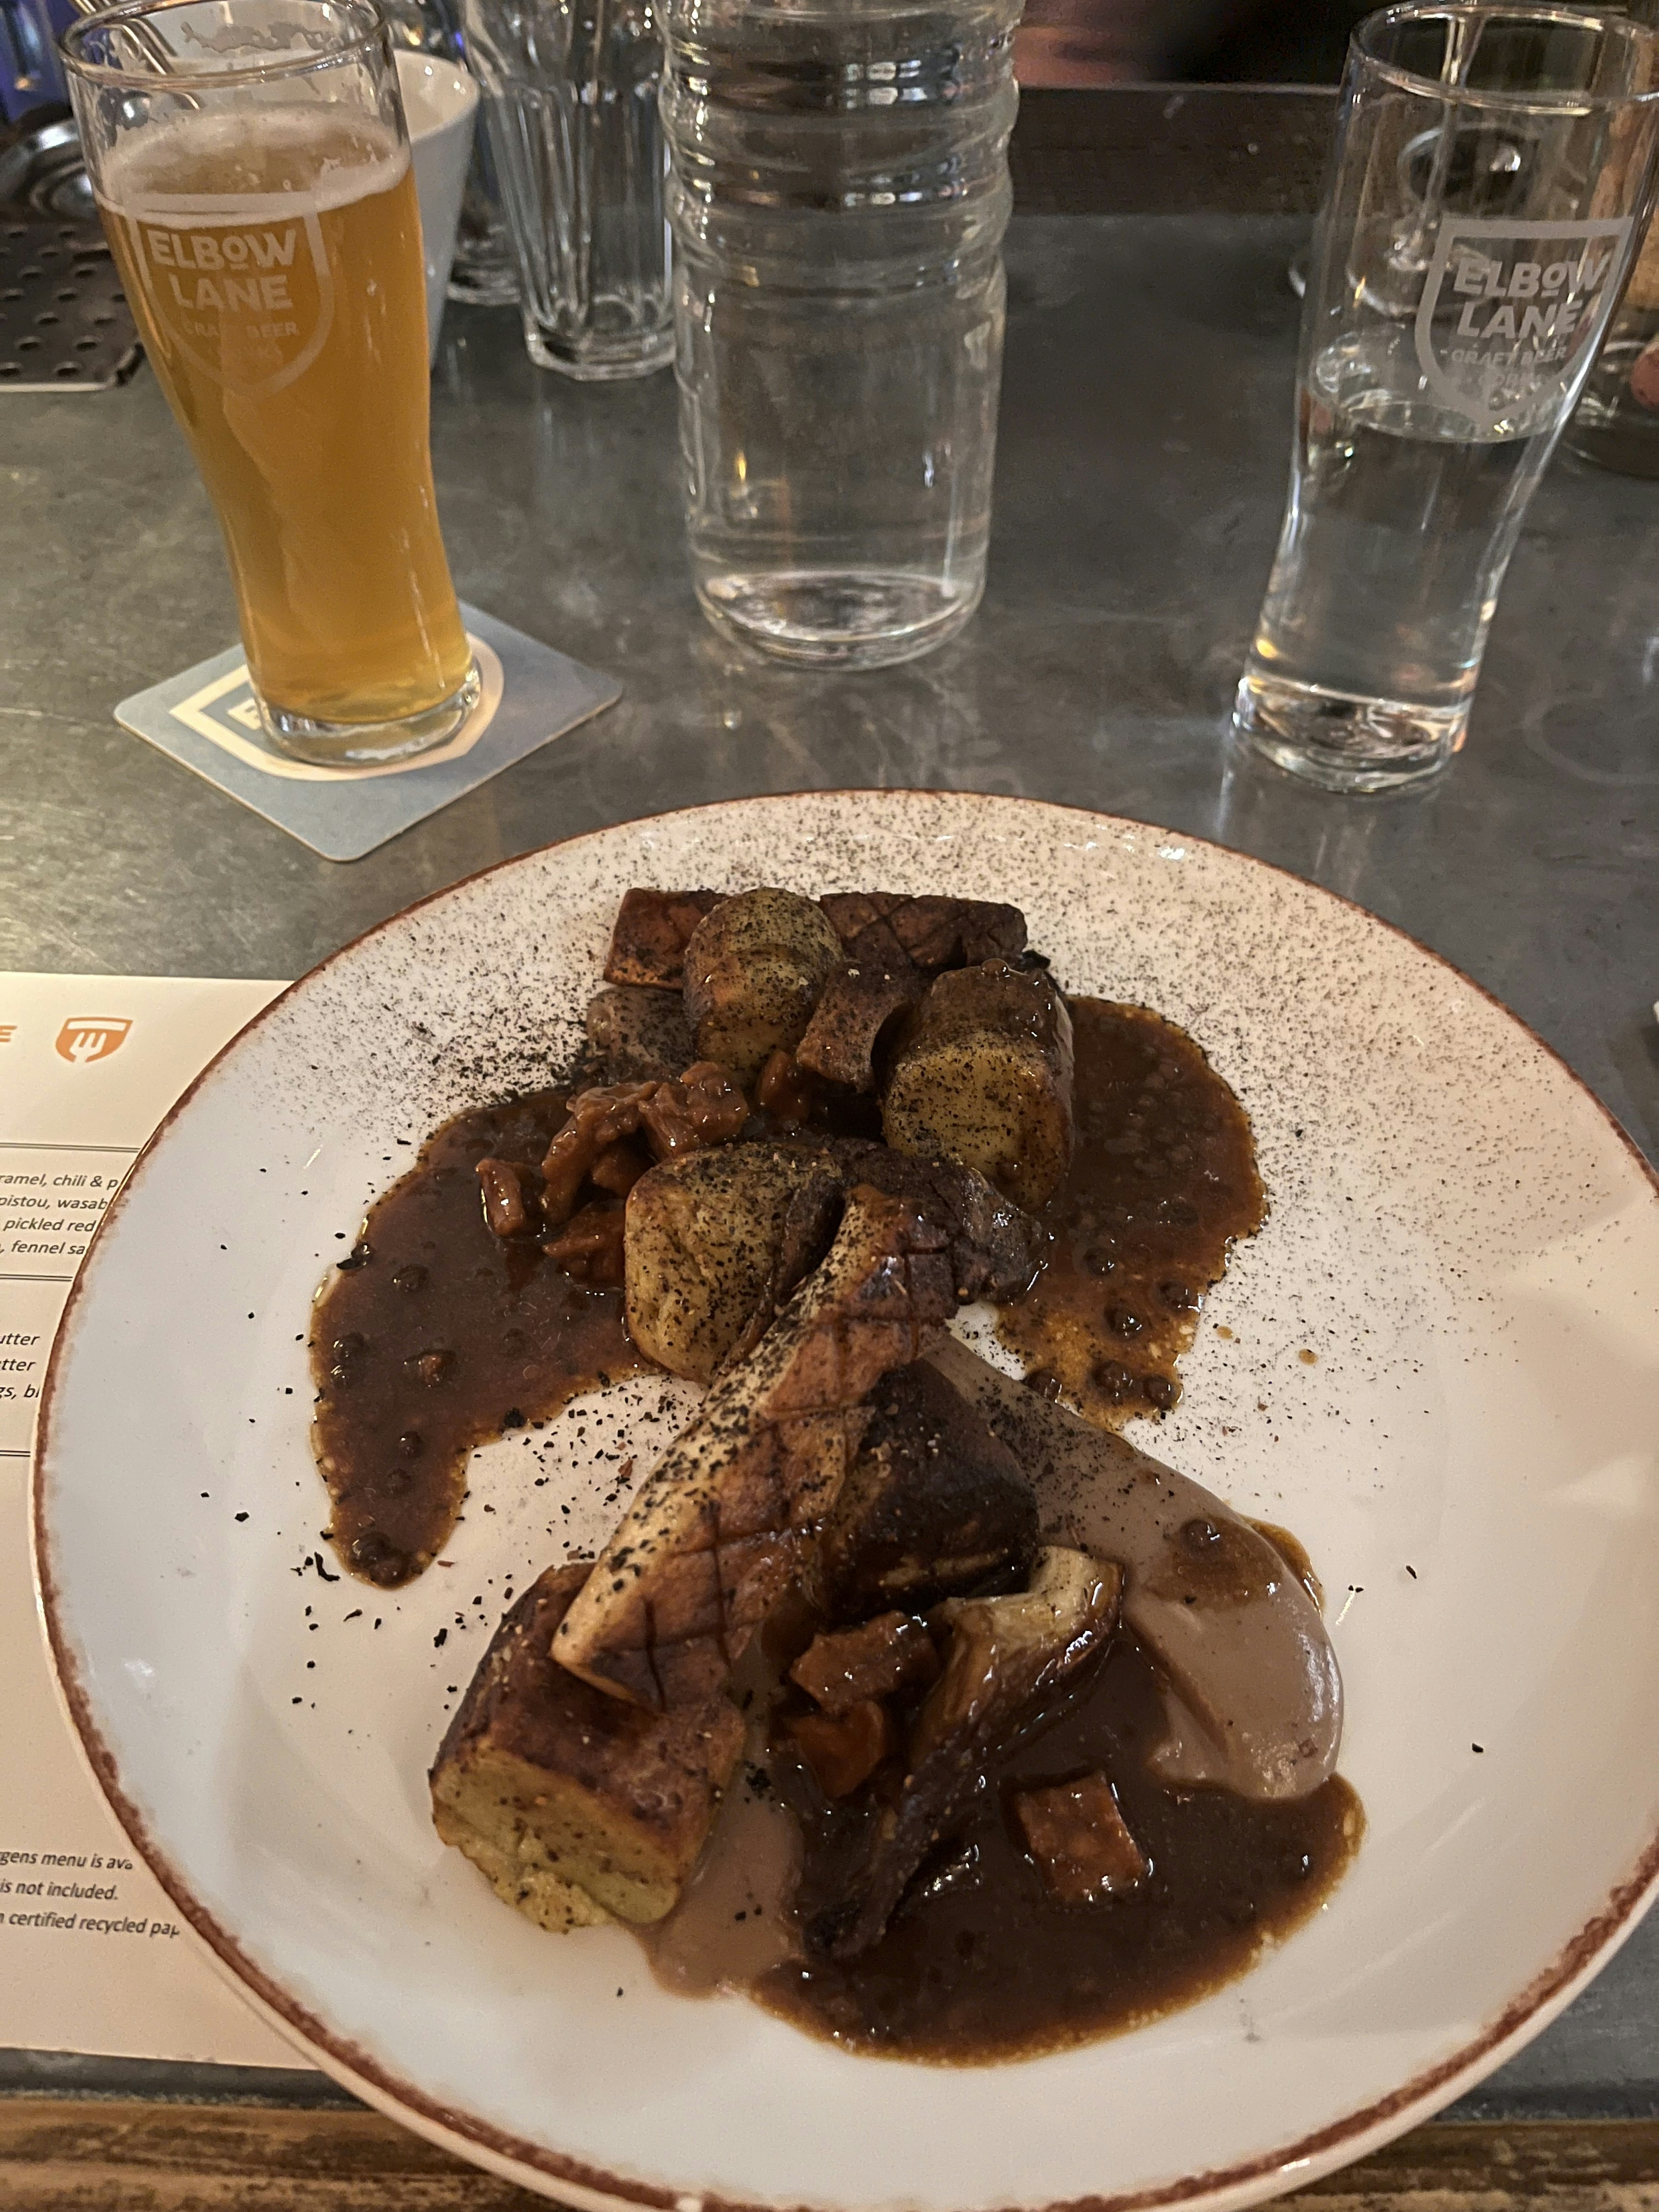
1458	1232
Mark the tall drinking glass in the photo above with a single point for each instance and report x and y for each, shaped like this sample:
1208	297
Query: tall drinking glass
251	167
570	107
1494	168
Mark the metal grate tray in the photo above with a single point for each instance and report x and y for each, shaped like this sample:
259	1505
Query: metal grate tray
65	324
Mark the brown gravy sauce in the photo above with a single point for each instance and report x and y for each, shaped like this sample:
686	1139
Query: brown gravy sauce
1162	1183
980	1963
435	1336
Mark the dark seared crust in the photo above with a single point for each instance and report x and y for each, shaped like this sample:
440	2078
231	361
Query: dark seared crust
652	929
647	944
933	1507
887	927
855	1006
723	1523
717	1241
983	1073
539	1768
638	1035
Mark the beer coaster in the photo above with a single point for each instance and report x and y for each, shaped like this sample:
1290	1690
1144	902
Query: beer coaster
207	720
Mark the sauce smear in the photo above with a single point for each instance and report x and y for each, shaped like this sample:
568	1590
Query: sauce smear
434	1336
979	1961
1162	1183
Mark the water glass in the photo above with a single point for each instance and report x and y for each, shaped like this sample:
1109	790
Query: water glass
481	273
840	193
570	109
1493	169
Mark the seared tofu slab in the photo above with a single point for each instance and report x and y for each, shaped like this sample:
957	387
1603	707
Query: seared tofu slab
576	1806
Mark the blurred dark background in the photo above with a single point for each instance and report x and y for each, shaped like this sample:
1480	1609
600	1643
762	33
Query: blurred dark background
1094	42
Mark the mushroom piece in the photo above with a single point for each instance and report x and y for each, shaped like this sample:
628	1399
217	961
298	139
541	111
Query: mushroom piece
1080	1841
1254	1701
845	1667
933	1507
930	931
858	1002
650	935
1006	1655
704	1107
639	1035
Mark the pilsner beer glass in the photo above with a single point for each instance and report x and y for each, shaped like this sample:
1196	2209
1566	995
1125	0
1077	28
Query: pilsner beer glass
1493	169
251	167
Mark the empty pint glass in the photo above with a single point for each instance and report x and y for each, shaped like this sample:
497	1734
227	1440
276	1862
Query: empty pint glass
251	167
1491	172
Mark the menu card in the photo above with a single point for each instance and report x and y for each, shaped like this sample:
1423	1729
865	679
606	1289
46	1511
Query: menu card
93	1956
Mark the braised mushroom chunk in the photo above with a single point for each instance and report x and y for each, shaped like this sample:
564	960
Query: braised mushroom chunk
1080	1841
638	1035
651	932
846	1667
933	1507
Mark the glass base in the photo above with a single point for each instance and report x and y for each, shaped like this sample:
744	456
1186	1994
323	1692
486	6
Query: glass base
600	361
483	284
1345	741
838	618
369	744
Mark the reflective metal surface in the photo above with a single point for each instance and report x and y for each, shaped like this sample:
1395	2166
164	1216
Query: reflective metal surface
1145	421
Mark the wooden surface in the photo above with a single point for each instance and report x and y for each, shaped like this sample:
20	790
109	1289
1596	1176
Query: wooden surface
62	2154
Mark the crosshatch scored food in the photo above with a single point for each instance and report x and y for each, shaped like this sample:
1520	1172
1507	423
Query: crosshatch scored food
907	1695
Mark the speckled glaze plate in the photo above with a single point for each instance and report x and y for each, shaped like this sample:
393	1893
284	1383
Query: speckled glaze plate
1461	1238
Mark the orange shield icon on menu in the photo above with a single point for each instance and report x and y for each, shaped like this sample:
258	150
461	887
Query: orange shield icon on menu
92	1036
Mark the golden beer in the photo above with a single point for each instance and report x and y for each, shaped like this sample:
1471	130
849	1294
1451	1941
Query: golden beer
273	262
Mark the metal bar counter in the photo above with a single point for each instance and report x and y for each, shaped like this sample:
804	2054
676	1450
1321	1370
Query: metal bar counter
1144	429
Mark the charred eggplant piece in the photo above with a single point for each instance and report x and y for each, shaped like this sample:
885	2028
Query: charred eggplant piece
577	1808
717	1242
723	1523
933	1507
931	933
754	968
982	1074
1006	1655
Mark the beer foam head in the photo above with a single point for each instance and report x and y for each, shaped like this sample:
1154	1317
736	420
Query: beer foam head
251	165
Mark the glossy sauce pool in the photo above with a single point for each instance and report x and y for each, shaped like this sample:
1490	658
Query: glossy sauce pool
980	1962
435	1336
